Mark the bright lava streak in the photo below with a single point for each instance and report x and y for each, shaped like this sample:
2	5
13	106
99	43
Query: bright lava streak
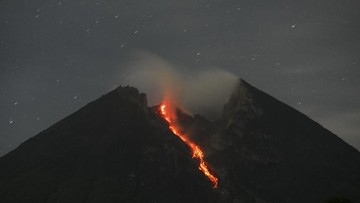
196	151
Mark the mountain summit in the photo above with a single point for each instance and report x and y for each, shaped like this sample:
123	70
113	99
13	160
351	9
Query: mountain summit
280	155
117	149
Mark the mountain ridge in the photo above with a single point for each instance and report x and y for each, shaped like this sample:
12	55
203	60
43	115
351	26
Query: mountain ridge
263	130
116	148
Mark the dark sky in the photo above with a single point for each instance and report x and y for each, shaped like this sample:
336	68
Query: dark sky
56	56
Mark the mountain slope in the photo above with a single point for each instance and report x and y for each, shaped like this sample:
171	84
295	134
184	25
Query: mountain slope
116	149
112	150
281	155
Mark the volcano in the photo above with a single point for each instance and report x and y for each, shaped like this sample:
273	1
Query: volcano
117	149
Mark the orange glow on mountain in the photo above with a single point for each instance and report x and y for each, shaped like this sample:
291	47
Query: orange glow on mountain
196	151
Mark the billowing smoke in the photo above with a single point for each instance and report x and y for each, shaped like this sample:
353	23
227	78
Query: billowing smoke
203	92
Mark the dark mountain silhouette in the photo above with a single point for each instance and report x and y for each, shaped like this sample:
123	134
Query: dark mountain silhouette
116	149
280	155
112	150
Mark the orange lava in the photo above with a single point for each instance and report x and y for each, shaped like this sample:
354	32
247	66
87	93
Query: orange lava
196	151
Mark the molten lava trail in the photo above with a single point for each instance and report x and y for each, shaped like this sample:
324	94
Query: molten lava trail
196	151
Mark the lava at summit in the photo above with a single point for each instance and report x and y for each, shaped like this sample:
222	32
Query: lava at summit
195	149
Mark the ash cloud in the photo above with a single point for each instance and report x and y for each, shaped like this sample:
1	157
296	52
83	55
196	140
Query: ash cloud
202	92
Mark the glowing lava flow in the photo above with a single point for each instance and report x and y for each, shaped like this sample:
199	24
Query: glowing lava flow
197	152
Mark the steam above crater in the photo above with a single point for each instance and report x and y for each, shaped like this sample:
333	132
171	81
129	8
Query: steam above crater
202	92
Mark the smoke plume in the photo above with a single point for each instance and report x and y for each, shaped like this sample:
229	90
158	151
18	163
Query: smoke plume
203	92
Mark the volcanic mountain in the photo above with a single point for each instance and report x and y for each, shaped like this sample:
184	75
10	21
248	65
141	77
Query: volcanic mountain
117	149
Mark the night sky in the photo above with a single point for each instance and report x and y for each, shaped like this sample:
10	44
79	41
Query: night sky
56	56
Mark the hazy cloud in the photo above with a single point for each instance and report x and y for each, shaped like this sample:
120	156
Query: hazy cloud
205	93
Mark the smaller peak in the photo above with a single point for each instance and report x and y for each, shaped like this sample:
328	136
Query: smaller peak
242	100
241	92
244	84
245	89
128	90
130	94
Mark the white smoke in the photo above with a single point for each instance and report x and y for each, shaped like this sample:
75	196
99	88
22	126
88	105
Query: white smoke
205	92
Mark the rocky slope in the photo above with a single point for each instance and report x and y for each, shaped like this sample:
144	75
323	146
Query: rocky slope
112	150
280	155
